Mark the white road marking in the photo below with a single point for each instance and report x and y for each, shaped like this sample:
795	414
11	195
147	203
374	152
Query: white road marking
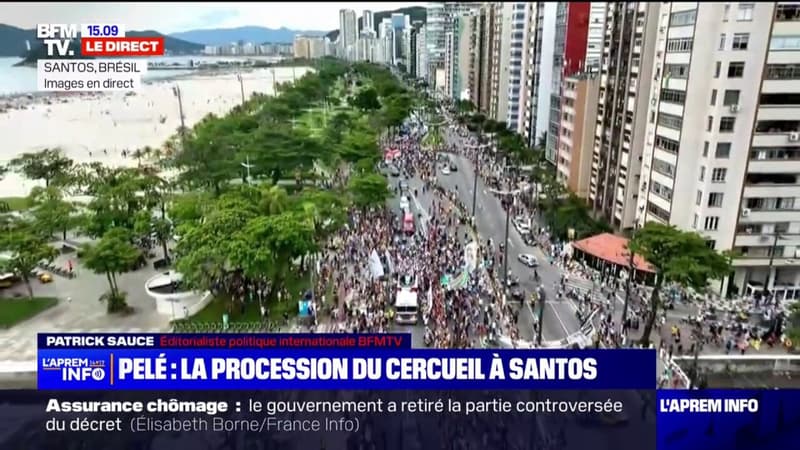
560	322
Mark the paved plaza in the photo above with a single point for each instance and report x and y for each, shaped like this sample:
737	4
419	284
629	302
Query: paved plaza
79	311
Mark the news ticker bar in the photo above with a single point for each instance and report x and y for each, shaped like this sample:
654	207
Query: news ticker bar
629	419
119	362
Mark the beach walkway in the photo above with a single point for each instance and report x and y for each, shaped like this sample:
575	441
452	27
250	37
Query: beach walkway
79	311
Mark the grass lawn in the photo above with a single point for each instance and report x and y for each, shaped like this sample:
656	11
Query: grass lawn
14	203
252	313
16	310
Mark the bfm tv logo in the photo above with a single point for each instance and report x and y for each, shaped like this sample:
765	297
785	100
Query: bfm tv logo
76	369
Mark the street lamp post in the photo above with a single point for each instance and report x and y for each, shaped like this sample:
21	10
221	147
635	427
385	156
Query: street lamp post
505	249
697	334
631	271
241	85
771	264
177	91
542	300
247	167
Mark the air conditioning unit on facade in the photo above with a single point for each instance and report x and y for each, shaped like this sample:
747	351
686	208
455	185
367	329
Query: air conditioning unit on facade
734	108
794	136
745	212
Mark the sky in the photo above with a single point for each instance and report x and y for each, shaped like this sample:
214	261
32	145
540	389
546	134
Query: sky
175	17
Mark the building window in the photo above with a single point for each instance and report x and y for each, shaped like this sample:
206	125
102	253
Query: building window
661	190
723	150
713	97
698	198
726	124
705	149
710	243
787	13
718	175
712	223
676	71
657	211
667	145
673	96
731	97
785	43
710	123
702	173
694	222
683	18
717	69
715	199
783	72
663	167
679	45
726	12
736	69
722	41
670	121
745	13
740	41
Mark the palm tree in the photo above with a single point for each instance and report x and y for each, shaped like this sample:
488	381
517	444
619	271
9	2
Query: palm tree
274	199
138	154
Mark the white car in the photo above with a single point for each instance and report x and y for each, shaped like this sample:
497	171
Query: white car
404	203
528	259
446	170
522	227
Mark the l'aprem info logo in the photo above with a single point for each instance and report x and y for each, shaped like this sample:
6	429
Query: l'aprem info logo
76	369
62	71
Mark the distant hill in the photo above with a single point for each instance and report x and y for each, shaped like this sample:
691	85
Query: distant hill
223	36
171	45
415	13
12	40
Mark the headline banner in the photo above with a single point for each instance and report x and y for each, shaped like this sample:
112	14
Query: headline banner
280	368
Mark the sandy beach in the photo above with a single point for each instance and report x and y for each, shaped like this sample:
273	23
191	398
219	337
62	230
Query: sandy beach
99	127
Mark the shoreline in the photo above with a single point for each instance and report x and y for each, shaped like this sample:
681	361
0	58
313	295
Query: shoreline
107	127
23	100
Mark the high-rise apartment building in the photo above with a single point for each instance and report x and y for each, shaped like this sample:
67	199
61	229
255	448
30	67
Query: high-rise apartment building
501	37
483	43
421	52
520	14
576	142
625	82
532	65
367	21
569	55
724	136
348	34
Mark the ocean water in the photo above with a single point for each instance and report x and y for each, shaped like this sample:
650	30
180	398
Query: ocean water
16	80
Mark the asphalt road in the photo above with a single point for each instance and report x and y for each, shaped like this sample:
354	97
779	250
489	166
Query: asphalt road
560	318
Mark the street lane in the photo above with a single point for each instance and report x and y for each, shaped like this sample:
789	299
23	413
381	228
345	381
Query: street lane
560	318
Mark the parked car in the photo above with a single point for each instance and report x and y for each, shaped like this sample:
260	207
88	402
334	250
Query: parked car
394	171
528	259
403	186
446	170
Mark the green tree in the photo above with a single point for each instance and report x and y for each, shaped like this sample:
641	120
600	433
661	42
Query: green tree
48	165
51	212
679	257
113	255
369	190
793	325
366	100
27	250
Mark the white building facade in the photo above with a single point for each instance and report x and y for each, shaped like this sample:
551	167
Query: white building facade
724	157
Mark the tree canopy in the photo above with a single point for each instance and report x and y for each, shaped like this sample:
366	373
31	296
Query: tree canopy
679	257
